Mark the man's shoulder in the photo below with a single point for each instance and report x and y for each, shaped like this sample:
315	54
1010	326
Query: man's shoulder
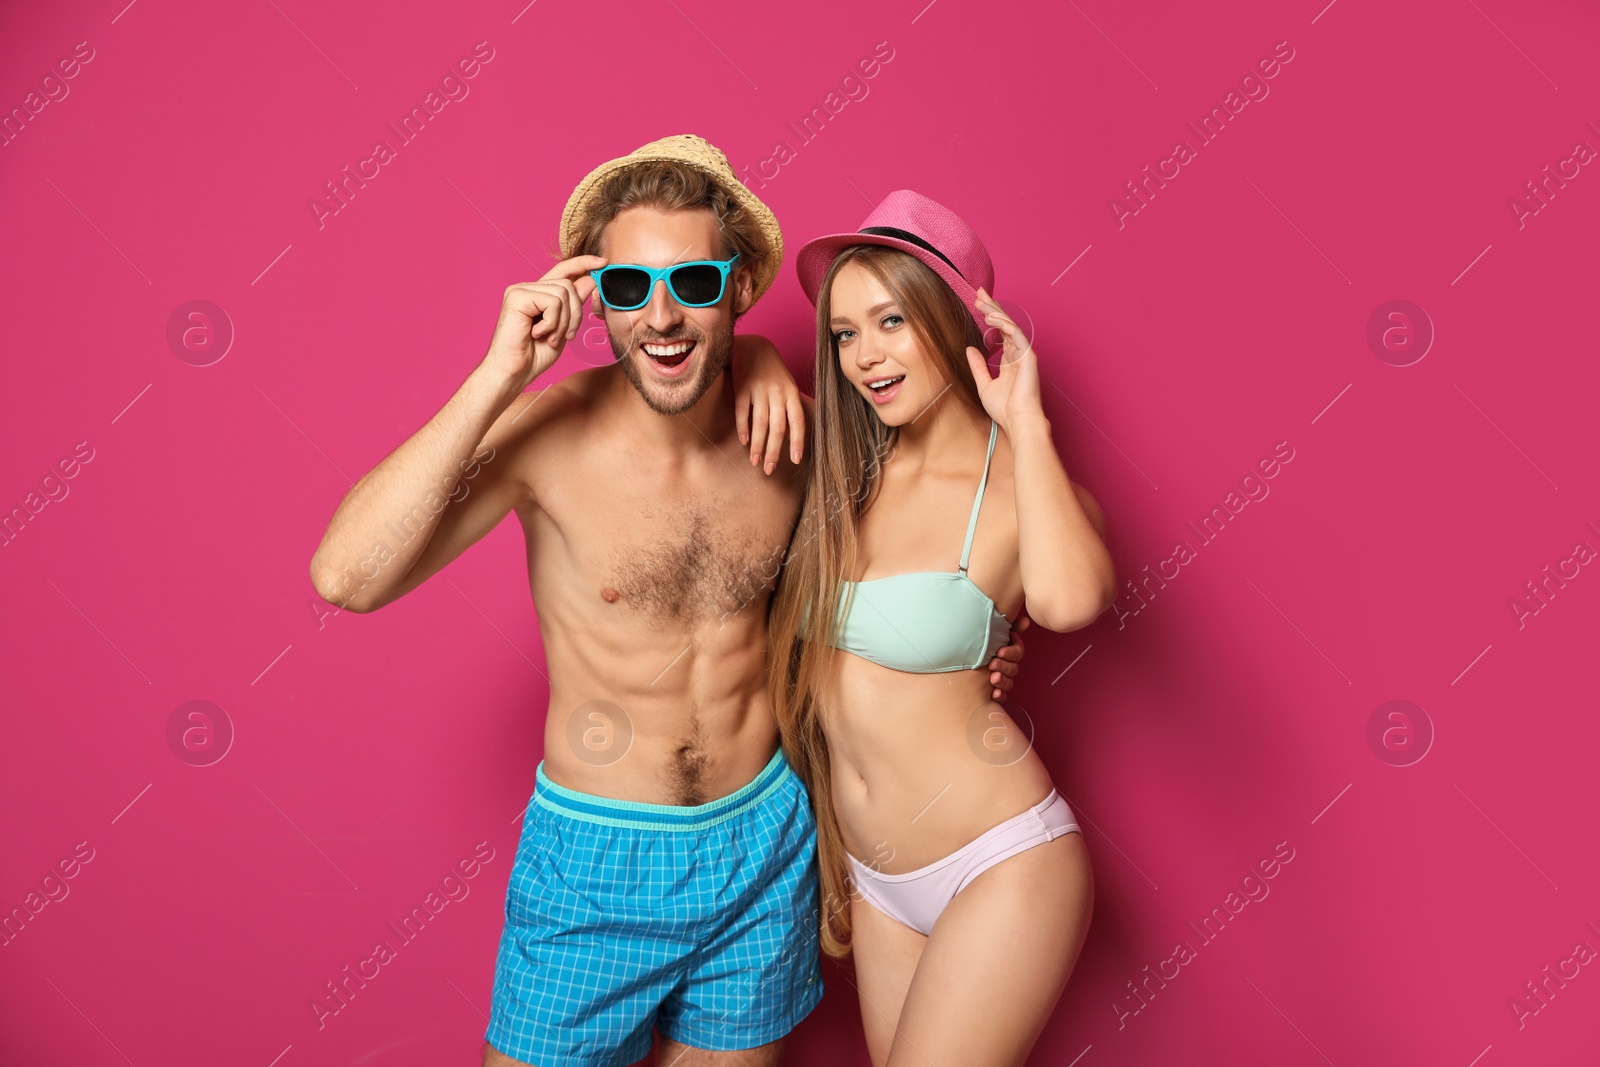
554	407
541	430
533	437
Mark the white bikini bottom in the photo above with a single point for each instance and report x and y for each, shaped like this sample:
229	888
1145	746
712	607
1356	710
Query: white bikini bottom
917	897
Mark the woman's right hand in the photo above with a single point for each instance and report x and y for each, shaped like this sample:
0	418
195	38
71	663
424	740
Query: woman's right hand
538	318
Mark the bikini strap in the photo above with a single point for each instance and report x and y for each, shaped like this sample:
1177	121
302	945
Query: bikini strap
972	523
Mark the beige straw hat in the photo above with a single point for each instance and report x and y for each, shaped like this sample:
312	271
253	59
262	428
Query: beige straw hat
703	156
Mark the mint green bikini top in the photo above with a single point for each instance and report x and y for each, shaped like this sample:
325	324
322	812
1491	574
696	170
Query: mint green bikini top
926	622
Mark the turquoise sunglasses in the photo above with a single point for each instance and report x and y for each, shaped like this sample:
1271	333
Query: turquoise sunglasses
627	286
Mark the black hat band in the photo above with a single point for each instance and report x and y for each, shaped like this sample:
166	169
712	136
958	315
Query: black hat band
911	238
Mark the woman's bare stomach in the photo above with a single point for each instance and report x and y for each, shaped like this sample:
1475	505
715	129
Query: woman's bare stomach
922	764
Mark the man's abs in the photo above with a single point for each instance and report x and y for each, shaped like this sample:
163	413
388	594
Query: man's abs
660	718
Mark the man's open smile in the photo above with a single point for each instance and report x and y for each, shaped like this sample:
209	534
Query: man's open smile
669	358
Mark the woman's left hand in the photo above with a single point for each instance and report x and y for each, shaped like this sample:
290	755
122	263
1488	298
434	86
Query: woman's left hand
1014	393
767	403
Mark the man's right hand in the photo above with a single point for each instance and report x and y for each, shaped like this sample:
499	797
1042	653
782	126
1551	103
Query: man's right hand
538	318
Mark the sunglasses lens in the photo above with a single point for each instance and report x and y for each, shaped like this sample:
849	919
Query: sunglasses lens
697	283
625	287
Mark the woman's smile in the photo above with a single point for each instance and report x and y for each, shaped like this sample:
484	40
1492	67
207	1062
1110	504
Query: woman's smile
884	387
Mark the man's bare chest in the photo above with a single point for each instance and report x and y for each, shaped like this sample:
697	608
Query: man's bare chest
673	553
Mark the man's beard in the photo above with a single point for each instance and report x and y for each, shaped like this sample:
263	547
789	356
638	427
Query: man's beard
674	398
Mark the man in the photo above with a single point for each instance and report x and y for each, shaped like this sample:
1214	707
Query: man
666	873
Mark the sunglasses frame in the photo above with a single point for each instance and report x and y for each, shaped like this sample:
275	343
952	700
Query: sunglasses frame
724	267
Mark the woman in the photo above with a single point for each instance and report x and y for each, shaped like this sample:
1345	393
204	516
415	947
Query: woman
968	893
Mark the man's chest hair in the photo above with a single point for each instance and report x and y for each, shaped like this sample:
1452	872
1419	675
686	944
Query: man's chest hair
665	545
693	563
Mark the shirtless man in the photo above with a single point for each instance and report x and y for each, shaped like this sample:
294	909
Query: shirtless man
666	874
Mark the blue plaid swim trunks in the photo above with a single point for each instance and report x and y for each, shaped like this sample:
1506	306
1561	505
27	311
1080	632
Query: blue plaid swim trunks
698	921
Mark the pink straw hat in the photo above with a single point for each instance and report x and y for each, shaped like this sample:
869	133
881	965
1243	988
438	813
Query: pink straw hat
911	222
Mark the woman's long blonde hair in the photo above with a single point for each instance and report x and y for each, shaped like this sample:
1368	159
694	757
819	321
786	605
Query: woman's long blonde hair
849	446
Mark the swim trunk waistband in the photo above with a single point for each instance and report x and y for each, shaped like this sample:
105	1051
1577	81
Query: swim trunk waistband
632	814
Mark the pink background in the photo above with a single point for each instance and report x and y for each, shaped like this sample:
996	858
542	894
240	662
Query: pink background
373	753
